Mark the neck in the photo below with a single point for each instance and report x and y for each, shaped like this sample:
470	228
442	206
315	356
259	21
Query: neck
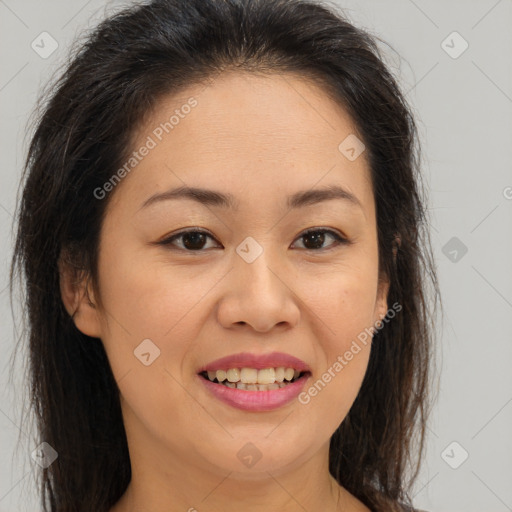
184	486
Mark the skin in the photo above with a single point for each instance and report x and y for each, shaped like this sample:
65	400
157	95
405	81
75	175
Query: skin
261	139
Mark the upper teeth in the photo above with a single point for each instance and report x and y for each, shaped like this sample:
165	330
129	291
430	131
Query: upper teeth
254	376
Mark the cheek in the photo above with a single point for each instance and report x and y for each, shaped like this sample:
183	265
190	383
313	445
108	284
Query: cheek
344	344
148	314
142	304
343	299
329	396
343	303
145	298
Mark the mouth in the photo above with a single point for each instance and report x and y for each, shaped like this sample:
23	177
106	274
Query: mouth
255	382
253	379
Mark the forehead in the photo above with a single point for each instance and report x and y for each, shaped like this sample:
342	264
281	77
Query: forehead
244	132
255	111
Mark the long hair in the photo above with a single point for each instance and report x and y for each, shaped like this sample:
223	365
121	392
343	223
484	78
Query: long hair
84	132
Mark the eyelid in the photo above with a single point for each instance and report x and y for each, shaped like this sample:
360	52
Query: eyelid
168	238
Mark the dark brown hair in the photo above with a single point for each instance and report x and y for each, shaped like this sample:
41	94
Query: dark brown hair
83	134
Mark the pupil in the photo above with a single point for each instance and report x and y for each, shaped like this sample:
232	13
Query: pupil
197	240
316	237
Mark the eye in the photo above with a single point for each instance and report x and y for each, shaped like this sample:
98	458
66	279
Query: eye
193	240
317	236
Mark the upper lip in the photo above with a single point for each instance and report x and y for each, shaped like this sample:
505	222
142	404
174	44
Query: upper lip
257	361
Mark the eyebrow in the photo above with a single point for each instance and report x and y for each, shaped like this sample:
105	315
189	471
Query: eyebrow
223	200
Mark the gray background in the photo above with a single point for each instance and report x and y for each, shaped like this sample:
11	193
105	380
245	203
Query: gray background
464	109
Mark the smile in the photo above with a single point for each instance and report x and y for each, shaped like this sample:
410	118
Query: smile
252	379
253	395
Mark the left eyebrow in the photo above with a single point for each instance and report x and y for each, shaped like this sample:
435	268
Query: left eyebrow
222	200
200	195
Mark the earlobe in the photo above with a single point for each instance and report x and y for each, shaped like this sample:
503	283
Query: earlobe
78	299
397	243
381	308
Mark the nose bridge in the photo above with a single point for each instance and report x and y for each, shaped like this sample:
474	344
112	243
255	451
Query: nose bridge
255	262
257	294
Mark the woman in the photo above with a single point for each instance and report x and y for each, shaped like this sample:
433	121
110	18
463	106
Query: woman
223	243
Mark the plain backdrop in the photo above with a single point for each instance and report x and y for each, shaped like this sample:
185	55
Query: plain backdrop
454	61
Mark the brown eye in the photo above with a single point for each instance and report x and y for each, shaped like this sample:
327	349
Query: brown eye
192	240
315	239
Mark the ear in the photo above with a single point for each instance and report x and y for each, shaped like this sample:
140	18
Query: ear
78	297
381	302
397	243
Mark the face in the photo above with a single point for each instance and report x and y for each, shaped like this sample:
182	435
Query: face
185	282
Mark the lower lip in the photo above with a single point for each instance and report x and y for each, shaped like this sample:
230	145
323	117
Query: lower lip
256	400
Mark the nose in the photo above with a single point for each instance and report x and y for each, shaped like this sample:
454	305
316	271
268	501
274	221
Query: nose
259	294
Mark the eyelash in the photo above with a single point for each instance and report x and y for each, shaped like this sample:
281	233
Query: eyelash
340	240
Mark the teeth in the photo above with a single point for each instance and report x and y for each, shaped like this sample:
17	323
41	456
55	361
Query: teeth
267	376
249	375
235	377
288	373
221	375
255	387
